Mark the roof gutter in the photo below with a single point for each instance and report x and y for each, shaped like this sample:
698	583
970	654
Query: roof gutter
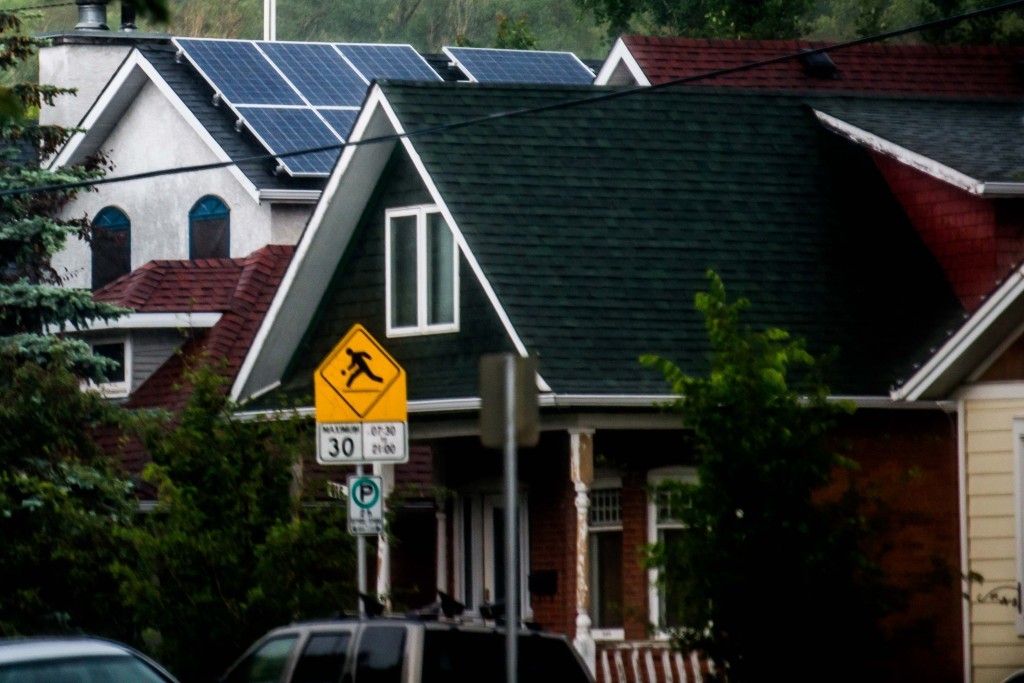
470	404
290	196
148	321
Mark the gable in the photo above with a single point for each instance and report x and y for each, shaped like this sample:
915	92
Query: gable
438	365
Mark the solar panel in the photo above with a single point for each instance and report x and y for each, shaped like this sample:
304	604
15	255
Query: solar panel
486	65
239	72
285	92
341	120
288	129
388	61
319	72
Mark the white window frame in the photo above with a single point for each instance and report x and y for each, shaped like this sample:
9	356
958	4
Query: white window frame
481	530
422	264
1018	497
603	484
655	478
115	389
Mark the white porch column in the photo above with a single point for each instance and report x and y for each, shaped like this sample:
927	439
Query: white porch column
581	444
442	548
387	473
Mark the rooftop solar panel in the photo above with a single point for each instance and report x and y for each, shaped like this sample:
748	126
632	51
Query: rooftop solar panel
486	65
295	96
289	129
340	120
388	61
319	72
239	72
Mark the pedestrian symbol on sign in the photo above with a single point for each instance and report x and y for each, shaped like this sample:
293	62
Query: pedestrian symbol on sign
362	374
361	367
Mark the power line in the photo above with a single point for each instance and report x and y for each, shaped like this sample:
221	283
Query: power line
565	104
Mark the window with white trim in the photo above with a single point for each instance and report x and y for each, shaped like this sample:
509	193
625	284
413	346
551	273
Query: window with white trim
422	272
1018	490
118	384
604	536
664	527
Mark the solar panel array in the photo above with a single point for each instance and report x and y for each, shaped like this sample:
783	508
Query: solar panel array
486	65
295	96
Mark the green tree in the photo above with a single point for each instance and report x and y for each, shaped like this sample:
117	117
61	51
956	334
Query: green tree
60	497
779	19
515	34
229	552
773	558
60	501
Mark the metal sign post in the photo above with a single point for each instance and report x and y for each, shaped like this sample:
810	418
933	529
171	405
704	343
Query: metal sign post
511	537
509	415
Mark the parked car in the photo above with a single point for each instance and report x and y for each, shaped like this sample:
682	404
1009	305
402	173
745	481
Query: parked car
393	650
76	660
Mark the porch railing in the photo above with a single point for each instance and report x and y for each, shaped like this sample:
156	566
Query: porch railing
649	662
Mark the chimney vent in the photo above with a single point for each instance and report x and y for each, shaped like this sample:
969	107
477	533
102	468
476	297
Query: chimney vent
92	15
128	17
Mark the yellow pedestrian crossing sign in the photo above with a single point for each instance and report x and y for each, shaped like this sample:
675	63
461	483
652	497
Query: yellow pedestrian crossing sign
360	382
360	394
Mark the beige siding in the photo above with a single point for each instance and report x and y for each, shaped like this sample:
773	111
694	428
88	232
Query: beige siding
995	647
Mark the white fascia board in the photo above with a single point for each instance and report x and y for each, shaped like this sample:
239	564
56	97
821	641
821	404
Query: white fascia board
902	154
976	338
115	99
620	55
151	321
319	250
474	265
471	404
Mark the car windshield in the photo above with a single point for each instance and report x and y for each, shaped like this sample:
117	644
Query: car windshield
113	669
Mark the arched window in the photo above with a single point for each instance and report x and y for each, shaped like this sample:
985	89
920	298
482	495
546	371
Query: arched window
111	246
209	228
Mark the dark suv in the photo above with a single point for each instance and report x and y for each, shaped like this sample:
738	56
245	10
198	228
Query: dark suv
387	650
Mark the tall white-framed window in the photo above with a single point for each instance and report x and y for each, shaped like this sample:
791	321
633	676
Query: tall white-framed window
1018	489
119	350
480	551
604	538
663	526
422	273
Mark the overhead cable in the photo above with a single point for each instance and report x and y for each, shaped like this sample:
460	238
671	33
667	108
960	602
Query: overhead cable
602	96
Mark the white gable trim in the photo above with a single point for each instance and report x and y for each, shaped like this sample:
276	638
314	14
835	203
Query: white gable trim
316	255
115	99
919	161
620	56
972	345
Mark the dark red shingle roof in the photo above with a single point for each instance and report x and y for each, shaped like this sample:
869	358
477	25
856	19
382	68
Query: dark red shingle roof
966	71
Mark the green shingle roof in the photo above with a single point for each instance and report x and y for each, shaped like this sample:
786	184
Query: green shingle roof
596	225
